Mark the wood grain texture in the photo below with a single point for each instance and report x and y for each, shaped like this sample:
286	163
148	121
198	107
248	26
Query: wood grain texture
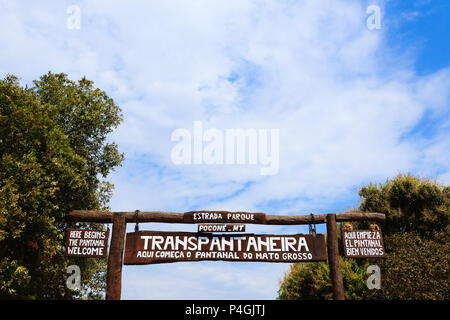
178	217
333	258
114	273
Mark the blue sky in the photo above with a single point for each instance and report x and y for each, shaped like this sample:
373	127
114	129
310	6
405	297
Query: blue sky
353	105
423	28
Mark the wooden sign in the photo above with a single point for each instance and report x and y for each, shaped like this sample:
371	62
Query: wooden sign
363	244
146	247
221	228
87	243
223	217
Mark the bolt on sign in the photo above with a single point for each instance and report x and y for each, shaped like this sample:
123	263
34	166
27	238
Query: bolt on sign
363	244
221	228
147	247
87	243
223	217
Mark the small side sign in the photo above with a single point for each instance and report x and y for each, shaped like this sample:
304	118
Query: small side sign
209	227
363	244
223	217
87	243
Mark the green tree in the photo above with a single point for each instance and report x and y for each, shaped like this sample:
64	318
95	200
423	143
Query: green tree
415	268
54	158
416	239
311	281
411	204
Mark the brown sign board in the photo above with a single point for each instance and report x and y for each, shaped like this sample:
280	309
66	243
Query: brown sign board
87	243
210	227
363	244
147	247
223	217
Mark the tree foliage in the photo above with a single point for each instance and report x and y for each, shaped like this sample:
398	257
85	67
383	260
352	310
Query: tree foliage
311	281
416	240
411	204
416	237
54	157
415	268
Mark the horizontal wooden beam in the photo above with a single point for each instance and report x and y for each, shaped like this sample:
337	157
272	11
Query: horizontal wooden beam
177	217
322	218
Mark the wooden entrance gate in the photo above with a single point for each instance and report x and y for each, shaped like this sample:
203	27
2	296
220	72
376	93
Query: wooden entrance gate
120	220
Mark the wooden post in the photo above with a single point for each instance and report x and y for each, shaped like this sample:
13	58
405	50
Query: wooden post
114	273
333	258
